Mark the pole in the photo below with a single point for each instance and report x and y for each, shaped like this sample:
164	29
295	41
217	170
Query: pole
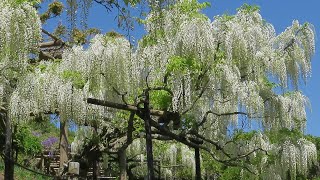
147	118
198	165
8	159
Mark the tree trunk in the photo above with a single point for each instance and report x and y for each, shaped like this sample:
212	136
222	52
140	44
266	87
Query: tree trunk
198	165
123	164
63	144
147	118
9	165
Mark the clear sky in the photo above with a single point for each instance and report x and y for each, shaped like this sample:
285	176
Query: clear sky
280	13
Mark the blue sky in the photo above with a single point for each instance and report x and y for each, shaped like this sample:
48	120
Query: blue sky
280	13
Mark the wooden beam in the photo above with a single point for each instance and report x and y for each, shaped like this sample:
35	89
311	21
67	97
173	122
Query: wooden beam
126	107
51	44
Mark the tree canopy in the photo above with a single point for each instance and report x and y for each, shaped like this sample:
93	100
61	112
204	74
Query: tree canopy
190	77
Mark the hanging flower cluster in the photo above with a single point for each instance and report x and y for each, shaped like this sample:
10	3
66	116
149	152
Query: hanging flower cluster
19	35
275	158
294	158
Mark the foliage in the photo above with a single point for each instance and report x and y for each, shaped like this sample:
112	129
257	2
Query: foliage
241	135
284	134
161	99
33	2
75	77
182	64
231	173
192	8
131	2
78	36
20	173
27	141
56	8
249	8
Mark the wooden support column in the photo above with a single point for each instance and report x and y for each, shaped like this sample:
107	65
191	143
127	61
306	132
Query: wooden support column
147	118
63	143
8	159
198	163
197	157
122	156
95	168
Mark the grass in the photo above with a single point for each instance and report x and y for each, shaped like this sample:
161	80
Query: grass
20	173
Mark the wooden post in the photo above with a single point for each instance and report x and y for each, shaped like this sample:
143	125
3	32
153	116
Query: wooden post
147	117
198	163
159	169
63	144
95	168
122	156
42	167
8	159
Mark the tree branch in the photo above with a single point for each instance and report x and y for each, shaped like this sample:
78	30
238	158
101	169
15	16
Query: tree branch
248	154
182	139
56	41
197	98
121	94
55	38
204	119
162	88
129	132
216	144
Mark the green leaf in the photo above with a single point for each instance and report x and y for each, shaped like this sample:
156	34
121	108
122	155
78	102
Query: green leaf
182	64
160	99
249	8
75	77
